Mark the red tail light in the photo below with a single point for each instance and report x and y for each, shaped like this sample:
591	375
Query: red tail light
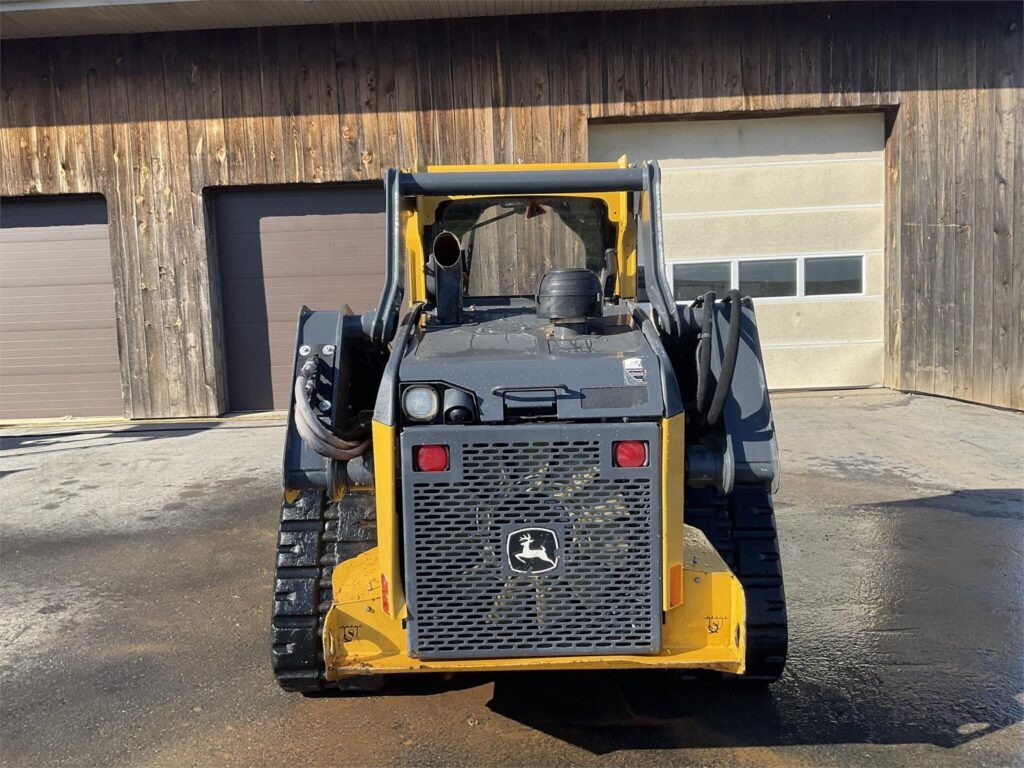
430	458
630	453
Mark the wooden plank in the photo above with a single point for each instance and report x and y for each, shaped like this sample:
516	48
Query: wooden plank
925	218
348	101
167	254
319	49
540	93
965	163
615	57
387	98
459	74
127	270
1017	237
502	93
108	151
888	61
51	179
426	133
597	67
185	236
751	56
521	91
771	58
831	60
632	62
289	98
250	67
893	307
451	143
576	103
270	86
309	121
909	204
806	45
482	60
366	91
19	94
403	45
213	106
943	267
868	45
674	55
653	42
71	113
726	69
981	363
145	302
896	163
236	139
1005	305
712	65
8	138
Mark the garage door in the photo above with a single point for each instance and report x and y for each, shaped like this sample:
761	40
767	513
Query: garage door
790	210
58	341
280	248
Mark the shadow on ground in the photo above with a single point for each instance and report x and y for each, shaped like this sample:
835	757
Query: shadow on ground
1006	503
905	620
606	712
54	442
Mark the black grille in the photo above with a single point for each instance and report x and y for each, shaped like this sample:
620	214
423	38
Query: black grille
602	597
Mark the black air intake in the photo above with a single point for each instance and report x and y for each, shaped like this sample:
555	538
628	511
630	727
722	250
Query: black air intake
569	295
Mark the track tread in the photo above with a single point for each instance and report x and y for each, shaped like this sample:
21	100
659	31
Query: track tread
741	527
313	538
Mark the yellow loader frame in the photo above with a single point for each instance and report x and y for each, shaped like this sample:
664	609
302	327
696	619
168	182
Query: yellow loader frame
704	611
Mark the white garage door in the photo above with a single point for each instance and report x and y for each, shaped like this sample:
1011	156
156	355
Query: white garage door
790	210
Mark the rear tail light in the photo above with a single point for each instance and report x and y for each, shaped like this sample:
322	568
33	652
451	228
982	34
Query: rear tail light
430	458
630	453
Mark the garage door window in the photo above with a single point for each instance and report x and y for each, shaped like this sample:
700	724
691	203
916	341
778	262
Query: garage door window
762	279
824	277
771	278
692	280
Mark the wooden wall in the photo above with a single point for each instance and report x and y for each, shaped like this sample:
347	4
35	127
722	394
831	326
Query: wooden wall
150	121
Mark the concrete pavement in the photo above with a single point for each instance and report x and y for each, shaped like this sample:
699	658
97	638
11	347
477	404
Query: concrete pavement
135	579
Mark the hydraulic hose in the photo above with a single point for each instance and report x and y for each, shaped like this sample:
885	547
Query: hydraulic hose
732	349
315	434
707	319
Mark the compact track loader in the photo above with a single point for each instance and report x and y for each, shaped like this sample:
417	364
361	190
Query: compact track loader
519	461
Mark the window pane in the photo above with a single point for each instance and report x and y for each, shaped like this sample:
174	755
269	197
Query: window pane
768	278
692	280
833	275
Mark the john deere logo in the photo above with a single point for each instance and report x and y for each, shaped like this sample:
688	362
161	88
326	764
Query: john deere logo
532	550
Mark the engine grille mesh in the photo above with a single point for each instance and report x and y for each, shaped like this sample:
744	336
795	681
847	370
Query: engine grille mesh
602	599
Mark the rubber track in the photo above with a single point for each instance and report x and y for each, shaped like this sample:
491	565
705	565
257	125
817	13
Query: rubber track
741	527
313	538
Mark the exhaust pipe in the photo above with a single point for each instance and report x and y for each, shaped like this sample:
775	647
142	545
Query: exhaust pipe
446	257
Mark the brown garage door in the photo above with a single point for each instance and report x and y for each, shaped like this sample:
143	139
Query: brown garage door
58	341
280	248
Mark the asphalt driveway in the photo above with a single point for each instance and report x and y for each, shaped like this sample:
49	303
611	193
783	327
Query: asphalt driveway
135	569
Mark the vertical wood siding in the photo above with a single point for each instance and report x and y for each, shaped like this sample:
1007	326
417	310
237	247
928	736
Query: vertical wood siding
150	121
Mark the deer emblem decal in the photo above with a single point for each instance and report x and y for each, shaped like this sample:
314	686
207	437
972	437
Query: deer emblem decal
532	550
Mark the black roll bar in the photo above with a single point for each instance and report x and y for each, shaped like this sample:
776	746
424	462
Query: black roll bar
643	180
444	183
